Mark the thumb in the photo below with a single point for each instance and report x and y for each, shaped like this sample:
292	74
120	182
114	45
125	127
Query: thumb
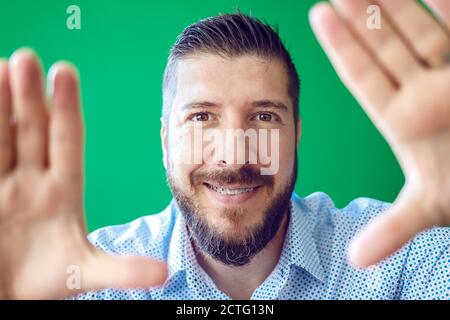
122	272
389	232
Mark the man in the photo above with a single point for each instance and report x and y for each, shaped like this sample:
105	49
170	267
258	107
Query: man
235	229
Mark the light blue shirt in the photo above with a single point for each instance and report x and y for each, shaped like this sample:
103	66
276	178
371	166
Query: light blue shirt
312	264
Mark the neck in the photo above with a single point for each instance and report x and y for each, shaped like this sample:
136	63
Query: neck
240	282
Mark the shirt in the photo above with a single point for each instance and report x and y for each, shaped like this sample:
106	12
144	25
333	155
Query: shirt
312	264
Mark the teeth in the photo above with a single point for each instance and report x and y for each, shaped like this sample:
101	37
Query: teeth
226	191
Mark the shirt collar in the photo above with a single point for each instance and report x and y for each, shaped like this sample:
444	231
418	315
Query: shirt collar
181	253
182	262
299	247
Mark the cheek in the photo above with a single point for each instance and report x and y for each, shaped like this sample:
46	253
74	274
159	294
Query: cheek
287	151
186	146
181	173
179	166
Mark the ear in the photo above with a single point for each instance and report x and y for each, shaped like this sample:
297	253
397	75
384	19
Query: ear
163	134
299	131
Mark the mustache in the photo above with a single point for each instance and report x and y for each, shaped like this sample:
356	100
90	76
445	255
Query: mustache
244	175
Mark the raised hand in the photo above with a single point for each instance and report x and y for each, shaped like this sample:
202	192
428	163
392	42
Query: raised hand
42	225
400	74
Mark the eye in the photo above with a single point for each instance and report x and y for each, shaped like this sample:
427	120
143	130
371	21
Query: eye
200	116
266	117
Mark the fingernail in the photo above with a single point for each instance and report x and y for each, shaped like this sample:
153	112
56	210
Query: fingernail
315	13
20	52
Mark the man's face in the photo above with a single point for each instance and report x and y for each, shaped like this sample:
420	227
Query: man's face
227	201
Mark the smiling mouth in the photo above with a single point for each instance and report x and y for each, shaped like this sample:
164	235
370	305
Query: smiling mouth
231	191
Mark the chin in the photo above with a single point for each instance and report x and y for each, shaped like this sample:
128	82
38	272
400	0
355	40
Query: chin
234	224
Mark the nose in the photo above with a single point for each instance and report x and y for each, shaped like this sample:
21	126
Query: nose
235	149
234	145
231	165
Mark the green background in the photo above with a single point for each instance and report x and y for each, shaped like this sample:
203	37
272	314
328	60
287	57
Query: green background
121	51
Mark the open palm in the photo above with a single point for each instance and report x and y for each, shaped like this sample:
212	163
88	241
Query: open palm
400	74
42	226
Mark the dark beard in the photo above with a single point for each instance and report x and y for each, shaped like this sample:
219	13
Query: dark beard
229	251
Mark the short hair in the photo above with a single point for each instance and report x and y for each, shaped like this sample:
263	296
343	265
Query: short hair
229	35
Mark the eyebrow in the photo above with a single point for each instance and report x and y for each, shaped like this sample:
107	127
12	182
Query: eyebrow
256	104
271	104
199	105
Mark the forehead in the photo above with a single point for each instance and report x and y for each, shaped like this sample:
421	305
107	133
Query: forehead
237	80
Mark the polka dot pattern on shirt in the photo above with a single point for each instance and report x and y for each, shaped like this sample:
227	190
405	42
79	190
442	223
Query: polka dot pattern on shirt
312	264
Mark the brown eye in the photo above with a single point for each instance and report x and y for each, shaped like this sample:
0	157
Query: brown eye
265	117
202	116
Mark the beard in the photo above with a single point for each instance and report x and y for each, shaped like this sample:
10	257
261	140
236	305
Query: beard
223	248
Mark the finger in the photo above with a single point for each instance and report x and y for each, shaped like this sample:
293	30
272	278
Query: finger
6	129
423	33
105	271
66	127
384	43
442	10
388	232
354	65
29	108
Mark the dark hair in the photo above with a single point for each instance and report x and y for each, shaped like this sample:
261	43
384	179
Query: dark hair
229	35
